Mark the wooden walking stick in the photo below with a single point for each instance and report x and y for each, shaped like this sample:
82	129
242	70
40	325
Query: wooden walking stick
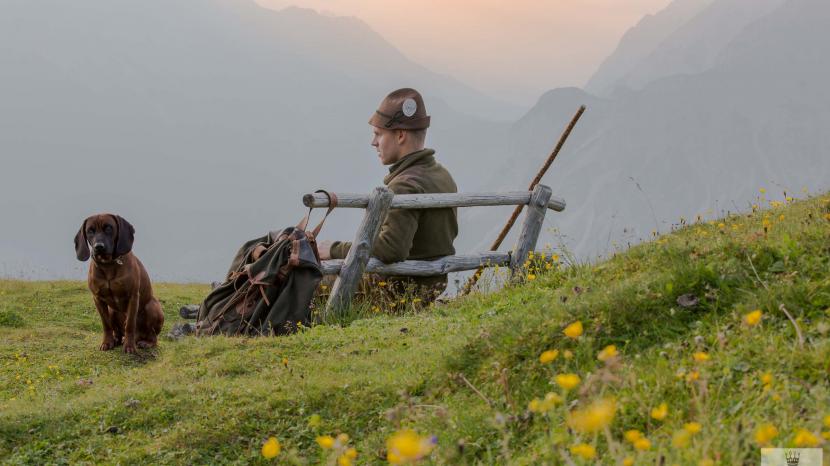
518	210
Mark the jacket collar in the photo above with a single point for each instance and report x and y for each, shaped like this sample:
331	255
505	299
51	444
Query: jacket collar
420	157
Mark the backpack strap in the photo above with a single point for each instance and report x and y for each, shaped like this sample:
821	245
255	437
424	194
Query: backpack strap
304	222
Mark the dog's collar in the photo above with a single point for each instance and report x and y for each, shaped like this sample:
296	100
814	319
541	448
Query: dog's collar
118	260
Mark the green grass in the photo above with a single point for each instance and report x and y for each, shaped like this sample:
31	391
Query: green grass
215	400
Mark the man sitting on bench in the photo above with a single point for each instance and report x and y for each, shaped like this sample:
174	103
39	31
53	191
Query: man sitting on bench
399	131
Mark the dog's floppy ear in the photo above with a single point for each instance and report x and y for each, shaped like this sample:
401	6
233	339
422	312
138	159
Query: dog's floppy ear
125	238
81	244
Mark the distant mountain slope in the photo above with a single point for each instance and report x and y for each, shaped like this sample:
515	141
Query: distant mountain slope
694	47
684	38
640	41
688	144
202	121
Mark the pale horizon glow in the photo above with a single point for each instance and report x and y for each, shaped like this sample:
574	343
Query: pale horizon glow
513	50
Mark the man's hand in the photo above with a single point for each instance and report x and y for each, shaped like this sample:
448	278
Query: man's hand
324	249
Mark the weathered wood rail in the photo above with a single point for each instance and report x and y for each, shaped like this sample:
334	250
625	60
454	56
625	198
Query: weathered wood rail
433	201
350	270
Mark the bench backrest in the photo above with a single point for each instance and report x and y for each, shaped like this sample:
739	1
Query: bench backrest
358	261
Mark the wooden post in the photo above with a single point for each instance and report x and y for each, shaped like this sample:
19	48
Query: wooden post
358	256
531	228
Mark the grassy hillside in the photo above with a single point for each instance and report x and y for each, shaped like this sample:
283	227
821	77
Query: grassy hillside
468	373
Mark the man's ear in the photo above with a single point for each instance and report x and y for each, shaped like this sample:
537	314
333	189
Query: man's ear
402	136
81	244
125	237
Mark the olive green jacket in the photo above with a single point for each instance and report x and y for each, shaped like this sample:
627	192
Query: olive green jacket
410	233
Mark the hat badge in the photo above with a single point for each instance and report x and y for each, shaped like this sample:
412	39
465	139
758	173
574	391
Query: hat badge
409	107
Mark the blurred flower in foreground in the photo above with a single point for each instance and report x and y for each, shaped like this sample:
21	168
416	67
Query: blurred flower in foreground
573	330
548	356
542	406
607	353
753	318
593	417
406	446
567	381
660	412
765	433
584	451
701	356
271	448
805	438
325	441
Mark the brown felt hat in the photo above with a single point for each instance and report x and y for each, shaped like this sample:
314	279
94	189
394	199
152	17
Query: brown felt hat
402	109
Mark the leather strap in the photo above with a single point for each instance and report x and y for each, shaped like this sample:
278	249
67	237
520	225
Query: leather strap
304	222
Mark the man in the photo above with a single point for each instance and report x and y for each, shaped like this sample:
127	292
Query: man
399	130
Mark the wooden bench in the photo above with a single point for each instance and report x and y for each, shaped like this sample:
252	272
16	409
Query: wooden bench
350	270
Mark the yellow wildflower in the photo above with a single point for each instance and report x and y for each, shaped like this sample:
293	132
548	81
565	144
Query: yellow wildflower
535	406
753	318
692	376
825	435
326	442
285	362
609	352
632	435
271	448
766	379
343	438
827	421
681	439
584	451
692	427
573	330
628	461
762	191
642	444
381	284
346	458
701	356
721	225
567	381
567	354
542	406
548	356
406	446
531	277
593	417
765	433
660	412
805	438
551	400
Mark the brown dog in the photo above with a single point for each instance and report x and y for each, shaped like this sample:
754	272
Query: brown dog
119	283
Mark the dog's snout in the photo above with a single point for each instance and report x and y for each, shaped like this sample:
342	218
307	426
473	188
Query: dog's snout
98	247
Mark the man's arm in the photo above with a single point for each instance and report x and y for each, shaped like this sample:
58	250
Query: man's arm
395	238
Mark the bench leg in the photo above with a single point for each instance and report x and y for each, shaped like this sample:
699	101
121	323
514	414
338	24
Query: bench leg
531	228
358	256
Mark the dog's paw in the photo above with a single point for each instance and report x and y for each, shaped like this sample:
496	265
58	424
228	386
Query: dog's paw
107	345
146	344
129	347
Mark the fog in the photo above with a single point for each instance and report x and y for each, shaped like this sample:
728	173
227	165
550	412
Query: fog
204	121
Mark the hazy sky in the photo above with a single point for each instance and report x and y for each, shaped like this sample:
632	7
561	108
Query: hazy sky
513	49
